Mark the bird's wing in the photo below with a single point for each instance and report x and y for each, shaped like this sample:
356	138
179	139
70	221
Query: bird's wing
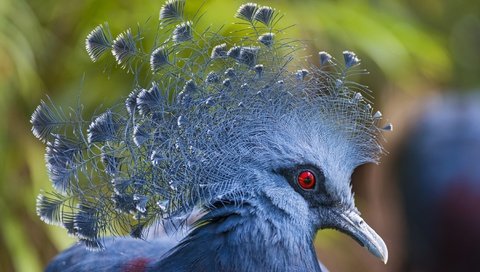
121	254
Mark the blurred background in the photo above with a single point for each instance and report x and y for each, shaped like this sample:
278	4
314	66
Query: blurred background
424	63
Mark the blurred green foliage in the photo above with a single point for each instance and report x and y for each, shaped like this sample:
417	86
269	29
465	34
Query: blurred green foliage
407	45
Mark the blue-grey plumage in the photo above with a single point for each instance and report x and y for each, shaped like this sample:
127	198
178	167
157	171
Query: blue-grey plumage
265	153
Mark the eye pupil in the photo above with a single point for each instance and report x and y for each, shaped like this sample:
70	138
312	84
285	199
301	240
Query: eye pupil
306	180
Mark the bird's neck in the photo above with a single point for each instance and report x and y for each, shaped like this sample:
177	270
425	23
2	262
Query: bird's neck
244	237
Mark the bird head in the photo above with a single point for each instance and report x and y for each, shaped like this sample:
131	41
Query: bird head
219	120
321	162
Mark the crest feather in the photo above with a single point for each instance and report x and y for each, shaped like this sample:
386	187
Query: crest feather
185	140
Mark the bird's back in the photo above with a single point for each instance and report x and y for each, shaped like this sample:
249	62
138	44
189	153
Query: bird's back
121	254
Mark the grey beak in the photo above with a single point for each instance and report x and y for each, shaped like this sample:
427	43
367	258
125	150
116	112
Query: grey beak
350	222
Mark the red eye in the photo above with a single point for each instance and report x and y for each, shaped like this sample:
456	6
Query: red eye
306	180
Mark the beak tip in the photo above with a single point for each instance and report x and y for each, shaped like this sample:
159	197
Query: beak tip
384	254
380	251
385	258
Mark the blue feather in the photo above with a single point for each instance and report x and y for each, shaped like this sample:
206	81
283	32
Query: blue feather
172	11
61	162
124	48
265	15
150	100
182	32
103	128
246	11
44	121
98	42
159	58
86	223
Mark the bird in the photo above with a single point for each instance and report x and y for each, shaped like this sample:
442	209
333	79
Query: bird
224	141
440	183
